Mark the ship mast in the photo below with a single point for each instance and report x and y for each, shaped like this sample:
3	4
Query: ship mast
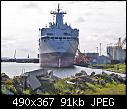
58	8
59	16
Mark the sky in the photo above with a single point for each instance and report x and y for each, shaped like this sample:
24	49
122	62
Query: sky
98	22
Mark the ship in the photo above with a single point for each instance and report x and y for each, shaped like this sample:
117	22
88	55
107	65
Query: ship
58	43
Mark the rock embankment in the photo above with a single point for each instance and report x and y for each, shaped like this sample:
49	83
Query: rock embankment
28	81
101	79
47	83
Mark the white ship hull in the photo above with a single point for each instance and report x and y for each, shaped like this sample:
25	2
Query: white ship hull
58	53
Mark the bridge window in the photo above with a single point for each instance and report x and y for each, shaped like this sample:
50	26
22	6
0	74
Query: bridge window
64	37
52	37
68	37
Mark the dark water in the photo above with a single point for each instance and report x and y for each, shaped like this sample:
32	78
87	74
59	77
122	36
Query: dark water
15	69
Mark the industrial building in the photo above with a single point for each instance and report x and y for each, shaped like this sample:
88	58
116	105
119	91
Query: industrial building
96	59
103	60
93	57
116	52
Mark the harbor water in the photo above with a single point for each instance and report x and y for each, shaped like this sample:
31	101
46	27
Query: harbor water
15	69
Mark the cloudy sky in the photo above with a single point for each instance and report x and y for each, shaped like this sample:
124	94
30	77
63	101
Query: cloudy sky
98	22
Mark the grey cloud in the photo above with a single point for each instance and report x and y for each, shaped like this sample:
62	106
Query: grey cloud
94	13
80	20
7	44
4	45
30	5
88	14
8	37
100	13
27	50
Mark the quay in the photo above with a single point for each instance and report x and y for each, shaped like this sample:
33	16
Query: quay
28	60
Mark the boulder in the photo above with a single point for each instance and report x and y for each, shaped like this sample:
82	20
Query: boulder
68	93
112	74
33	82
109	79
73	80
4	77
101	82
104	74
119	78
50	73
45	80
38	91
89	80
80	81
116	80
92	74
98	76
82	72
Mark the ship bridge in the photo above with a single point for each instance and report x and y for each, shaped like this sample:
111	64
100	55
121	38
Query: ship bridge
59	16
58	28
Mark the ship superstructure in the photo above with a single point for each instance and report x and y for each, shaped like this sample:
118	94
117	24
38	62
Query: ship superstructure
58	43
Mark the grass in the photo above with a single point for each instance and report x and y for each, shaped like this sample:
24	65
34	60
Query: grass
112	89
8	87
109	89
3	90
26	92
91	89
119	68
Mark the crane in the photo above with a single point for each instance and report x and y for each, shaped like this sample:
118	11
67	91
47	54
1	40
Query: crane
15	54
81	55
82	59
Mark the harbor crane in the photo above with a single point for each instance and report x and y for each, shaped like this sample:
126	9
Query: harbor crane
15	54
81	59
